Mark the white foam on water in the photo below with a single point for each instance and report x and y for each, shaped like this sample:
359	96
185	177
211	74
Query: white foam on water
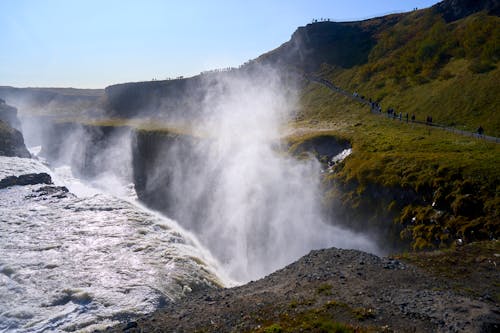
79	263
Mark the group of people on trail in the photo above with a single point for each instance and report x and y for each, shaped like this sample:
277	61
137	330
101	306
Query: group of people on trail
393	114
375	107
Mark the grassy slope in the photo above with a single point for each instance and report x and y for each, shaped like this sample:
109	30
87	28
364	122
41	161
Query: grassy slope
459	174
425	66
420	65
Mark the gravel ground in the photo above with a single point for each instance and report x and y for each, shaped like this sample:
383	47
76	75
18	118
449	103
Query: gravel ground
363	291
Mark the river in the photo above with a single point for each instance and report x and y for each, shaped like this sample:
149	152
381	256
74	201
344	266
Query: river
82	262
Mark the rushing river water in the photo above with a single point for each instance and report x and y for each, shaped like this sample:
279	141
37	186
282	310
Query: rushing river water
71	263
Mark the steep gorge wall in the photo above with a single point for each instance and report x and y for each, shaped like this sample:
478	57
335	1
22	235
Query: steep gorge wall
153	166
155	156
11	139
88	149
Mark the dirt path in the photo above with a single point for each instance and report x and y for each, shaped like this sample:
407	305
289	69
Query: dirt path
362	100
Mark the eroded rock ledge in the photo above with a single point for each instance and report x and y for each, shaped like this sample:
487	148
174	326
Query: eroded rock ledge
28	179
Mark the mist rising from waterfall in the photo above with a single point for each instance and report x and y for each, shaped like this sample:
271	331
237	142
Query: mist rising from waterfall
255	207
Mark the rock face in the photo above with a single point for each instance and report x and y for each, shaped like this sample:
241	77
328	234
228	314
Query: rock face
8	114
453	10
89	150
28	179
11	139
12	142
322	145
152	169
345	44
169	99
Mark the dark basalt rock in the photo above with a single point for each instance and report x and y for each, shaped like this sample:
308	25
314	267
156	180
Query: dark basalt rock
12	142
11	139
58	192
8	114
28	179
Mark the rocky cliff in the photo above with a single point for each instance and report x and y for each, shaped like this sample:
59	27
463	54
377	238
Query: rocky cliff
8	114
54	101
163	99
89	150
11	139
453	10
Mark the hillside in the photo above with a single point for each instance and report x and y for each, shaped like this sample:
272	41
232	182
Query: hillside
440	62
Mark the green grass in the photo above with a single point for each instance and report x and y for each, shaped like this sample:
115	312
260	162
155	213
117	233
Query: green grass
332	316
454	179
425	66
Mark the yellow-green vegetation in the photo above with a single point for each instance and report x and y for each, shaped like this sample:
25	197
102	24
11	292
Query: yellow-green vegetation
325	289
142	124
427	67
437	185
332	317
461	264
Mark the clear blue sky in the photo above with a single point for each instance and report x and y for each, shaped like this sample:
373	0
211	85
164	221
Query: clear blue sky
94	43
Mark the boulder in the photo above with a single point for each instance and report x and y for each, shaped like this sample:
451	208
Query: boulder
28	179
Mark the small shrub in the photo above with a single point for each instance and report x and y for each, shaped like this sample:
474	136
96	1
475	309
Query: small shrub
325	289
478	66
274	328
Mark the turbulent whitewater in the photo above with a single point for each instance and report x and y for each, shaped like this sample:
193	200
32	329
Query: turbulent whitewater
73	263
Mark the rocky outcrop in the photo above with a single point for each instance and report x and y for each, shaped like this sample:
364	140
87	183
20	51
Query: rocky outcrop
28	179
453	10
88	149
344	44
153	169
168	99
11	139
8	114
12	142
57	192
323	146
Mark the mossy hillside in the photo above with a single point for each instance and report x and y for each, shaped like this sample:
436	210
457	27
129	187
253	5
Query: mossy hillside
438	185
425	66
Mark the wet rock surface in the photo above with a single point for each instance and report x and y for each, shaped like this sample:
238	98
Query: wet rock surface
360	289
28	179
57	192
12	141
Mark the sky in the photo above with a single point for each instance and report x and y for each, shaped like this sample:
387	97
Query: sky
95	43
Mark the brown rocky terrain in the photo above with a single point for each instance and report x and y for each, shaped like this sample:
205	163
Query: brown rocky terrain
336	290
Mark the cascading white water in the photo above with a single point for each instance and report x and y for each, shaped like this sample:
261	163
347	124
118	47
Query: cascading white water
81	263
254	207
88	261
